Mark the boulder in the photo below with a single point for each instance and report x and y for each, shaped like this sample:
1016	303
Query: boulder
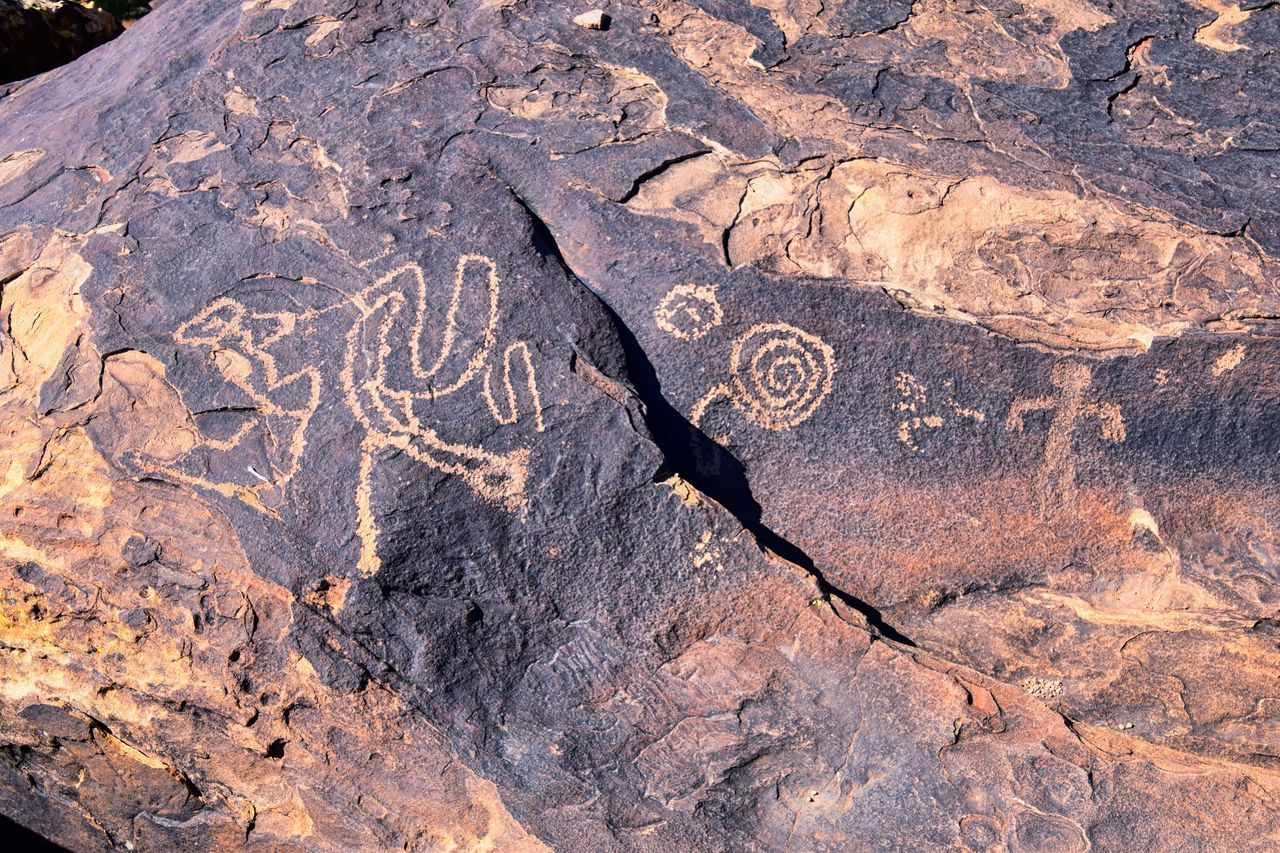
36	35
778	426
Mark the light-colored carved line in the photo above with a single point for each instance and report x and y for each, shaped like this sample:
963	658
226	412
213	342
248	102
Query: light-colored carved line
230	335
699	409
384	411
512	414
366	526
378	387
1056	479
247	494
481	355
1110	420
1014	422
501	479
227	444
691	300
498	478
773	401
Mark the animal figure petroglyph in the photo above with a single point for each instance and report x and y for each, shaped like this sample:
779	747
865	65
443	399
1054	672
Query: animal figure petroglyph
238	343
778	376
388	381
387	378
918	415
1056	481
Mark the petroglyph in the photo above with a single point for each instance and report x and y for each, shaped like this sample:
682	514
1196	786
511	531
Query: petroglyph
252	452
238	343
506	411
913	403
707	554
1057	478
779	375
689	311
385	377
1229	360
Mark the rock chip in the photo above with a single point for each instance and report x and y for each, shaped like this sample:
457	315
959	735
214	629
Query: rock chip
595	19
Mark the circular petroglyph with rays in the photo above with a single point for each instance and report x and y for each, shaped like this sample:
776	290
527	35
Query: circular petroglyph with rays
689	311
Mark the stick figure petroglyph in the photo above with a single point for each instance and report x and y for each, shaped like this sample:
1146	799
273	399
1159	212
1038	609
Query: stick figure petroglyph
779	375
385	378
1057	478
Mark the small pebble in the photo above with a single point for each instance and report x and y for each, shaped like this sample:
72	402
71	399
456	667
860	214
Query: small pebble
596	19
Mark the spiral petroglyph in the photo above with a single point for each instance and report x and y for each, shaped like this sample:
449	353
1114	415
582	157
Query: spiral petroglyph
779	375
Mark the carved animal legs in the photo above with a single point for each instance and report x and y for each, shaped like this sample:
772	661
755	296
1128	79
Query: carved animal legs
497	477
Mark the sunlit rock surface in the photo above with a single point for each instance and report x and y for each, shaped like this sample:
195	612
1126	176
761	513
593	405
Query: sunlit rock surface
741	427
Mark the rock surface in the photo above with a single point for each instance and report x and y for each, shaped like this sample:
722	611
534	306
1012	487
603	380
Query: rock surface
750	427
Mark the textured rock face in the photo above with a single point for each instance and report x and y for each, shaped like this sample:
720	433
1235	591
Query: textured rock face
776	426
